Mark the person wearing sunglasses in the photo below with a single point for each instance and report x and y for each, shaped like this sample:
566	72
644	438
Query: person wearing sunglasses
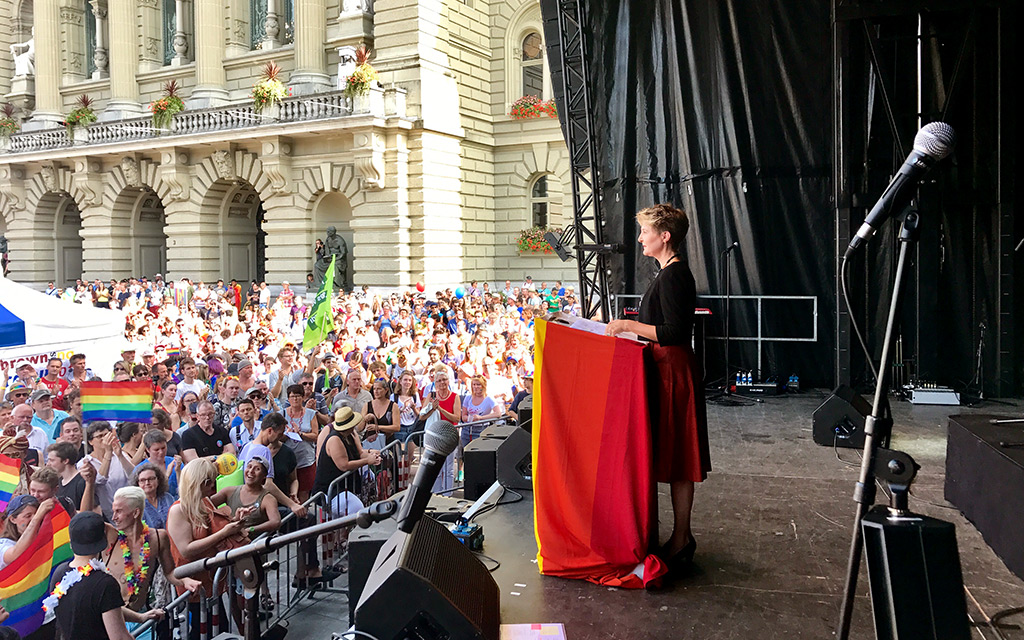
18	393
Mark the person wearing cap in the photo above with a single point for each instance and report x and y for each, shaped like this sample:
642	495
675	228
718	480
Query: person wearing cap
53	381
91	607
246	374
528	284
25	372
45	416
22	519
18	393
527	390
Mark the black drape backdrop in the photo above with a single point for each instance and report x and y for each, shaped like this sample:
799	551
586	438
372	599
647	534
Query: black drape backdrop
722	107
726	108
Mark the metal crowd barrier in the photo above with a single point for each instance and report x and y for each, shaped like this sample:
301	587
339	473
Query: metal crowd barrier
278	565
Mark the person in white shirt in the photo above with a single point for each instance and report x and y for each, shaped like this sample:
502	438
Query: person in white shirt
245	427
189	382
21	419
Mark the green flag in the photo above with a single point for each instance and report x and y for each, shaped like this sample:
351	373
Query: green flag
321	318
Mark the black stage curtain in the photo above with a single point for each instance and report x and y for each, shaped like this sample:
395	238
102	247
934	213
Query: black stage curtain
723	107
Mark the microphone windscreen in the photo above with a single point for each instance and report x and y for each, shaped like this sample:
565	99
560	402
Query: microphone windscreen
935	140
441	437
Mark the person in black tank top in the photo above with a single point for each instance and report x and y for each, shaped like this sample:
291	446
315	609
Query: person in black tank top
676	393
339	451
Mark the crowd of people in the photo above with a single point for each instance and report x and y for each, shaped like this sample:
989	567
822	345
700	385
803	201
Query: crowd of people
229	376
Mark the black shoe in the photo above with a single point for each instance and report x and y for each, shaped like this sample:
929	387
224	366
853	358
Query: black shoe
684	557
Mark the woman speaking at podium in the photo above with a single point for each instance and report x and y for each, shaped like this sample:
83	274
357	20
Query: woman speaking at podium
678	414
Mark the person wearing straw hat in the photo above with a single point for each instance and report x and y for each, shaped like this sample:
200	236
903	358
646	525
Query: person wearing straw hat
339	451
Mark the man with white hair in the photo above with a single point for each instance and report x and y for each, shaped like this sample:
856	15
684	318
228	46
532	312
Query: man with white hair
21	418
136	550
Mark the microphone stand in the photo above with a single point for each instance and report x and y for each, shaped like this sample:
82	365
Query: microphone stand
864	491
724	397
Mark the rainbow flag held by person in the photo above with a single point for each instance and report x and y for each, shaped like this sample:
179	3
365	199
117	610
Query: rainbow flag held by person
26	582
10	472
172	351
593	480
124	401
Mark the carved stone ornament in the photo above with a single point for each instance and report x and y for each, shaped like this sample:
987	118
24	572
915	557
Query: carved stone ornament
12	187
49	176
224	163
130	167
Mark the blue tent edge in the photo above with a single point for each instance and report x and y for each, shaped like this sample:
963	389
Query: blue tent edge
12	329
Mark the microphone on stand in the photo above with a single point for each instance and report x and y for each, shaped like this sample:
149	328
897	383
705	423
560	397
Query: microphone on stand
932	143
734	245
439	440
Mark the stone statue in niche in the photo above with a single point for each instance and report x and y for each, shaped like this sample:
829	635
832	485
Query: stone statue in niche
24	56
333	245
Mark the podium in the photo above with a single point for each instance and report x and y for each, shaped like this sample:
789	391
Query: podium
595	506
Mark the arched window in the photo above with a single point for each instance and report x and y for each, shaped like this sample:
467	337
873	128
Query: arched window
539	202
532	62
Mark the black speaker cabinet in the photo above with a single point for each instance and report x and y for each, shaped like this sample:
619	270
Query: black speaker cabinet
839	421
525	413
500	431
515	460
428	585
480	465
917	588
363	547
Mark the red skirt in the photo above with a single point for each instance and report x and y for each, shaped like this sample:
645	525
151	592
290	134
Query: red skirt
678	414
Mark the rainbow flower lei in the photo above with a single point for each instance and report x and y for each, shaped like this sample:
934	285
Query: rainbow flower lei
70	579
132	577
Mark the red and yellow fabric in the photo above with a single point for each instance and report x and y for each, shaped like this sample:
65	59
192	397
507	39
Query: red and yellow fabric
594	499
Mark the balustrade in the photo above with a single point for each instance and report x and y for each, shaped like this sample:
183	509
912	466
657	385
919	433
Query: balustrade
319	106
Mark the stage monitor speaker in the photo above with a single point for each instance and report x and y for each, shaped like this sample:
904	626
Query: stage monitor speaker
363	547
839	421
917	588
525	413
480	465
515	461
500	431
429	586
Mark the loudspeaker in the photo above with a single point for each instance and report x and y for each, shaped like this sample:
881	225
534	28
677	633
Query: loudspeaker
515	461
480	464
363	547
917	588
365	544
839	421
500	431
428	585
525	413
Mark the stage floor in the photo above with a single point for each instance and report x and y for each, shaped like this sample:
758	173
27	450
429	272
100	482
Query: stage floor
772	524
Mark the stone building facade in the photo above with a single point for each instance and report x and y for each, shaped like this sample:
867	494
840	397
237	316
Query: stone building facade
427	178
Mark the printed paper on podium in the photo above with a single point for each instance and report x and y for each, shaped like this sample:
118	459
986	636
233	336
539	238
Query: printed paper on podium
590	326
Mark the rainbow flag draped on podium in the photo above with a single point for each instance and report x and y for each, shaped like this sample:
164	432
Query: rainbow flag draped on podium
593	481
26	581
122	401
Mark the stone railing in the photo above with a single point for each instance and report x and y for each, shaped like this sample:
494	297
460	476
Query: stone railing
320	106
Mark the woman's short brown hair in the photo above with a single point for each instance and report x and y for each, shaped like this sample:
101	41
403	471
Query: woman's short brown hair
665	217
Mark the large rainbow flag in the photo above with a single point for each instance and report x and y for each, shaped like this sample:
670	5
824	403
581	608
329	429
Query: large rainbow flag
10	472
127	401
26	581
595	507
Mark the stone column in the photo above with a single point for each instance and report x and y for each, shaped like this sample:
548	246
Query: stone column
99	57
310	74
271	39
72	26
49	108
180	41
211	79
124	62
103	245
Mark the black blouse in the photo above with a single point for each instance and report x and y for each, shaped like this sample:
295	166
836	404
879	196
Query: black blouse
669	304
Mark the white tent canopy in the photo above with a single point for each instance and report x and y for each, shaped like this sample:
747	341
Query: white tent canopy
58	327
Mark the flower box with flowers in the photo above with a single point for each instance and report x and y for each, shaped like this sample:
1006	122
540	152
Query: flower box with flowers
532	240
268	93
165	108
532	107
9	125
79	118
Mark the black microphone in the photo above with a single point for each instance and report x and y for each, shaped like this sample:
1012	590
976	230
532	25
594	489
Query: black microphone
932	143
439	440
734	245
